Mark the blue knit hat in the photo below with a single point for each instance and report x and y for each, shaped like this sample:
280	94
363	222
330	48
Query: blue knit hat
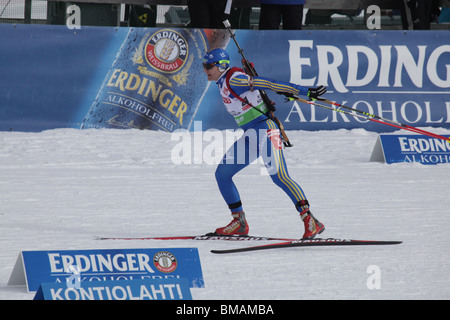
218	57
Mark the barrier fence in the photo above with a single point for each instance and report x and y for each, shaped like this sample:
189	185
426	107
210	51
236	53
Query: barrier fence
318	14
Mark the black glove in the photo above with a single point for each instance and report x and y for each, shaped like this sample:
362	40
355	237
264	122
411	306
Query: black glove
315	93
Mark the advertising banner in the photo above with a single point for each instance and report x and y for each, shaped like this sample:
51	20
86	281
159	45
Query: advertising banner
152	78
411	149
155	289
35	267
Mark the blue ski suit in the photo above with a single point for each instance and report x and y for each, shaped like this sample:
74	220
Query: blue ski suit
261	137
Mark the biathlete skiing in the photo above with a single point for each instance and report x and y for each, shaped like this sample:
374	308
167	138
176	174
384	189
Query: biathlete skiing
243	100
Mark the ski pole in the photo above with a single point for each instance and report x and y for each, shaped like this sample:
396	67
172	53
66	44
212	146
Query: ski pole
390	122
401	125
368	116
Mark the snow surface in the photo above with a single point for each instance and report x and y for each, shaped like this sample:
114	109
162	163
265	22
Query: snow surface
59	188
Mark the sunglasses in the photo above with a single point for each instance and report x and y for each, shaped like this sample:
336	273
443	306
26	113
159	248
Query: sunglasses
208	66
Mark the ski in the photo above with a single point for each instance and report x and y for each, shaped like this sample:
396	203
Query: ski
208	236
308	243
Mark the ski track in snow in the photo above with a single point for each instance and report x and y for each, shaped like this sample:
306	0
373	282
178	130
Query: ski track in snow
60	187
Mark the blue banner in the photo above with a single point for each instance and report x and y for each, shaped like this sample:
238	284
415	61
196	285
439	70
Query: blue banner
48	73
411	149
156	289
111	265
151	78
403	76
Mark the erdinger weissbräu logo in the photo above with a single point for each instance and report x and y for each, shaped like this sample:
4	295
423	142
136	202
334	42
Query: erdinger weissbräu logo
166	50
165	262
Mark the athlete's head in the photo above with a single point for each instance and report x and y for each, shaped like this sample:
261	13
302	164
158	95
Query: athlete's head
215	62
216	57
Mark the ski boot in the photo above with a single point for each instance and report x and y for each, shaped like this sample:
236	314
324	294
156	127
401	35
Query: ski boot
312	226
237	227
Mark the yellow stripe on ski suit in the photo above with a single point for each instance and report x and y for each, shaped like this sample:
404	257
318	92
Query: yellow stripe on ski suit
281	170
259	84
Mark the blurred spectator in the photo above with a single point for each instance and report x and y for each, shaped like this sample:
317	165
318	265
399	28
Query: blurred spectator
275	11
418	14
444	17
141	16
207	13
